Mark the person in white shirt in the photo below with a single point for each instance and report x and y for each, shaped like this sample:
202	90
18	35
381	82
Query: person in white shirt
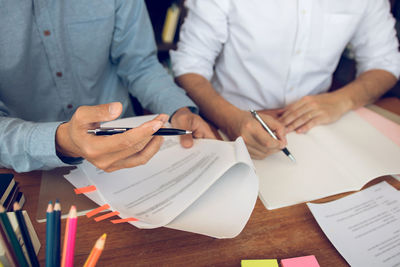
279	56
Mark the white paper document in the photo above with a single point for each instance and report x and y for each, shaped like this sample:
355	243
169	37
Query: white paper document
331	159
365	226
210	188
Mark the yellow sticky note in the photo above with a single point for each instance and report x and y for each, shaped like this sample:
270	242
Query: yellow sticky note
260	263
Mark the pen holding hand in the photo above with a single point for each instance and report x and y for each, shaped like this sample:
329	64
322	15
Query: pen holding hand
271	133
125	150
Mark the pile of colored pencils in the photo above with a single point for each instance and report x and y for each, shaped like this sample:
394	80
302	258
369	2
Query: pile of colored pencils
53	255
12	247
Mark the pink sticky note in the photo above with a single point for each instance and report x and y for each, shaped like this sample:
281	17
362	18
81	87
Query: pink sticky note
306	261
387	127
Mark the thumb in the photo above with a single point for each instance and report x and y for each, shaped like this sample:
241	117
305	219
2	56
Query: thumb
98	113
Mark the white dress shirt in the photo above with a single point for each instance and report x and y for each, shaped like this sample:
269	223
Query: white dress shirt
266	54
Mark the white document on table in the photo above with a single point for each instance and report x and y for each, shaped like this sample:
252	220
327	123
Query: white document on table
210	188
365	226
331	159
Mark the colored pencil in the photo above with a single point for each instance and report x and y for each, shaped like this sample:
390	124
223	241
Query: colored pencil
64	253
96	252
7	246
25	235
49	235
13	238
57	234
69	258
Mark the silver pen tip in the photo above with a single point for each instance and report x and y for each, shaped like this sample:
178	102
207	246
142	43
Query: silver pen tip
292	158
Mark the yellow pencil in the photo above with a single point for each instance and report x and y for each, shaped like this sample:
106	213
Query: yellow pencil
96	252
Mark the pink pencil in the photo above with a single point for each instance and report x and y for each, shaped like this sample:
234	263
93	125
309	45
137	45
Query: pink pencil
69	258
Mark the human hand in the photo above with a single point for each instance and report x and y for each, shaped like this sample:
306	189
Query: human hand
313	110
109	153
259	143
183	118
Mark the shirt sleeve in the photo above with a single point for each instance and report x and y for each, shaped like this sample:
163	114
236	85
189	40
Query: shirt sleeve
202	37
375	43
134	52
27	146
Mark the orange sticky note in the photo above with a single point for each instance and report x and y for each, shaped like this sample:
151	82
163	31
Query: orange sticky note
124	220
106	216
84	190
97	210
306	261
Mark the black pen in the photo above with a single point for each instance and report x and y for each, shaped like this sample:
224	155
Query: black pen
265	126
161	131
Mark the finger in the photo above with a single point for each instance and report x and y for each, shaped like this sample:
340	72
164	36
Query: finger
257	154
310	124
87	115
260	140
138	158
299	122
290	111
186	140
202	130
295	115
278	129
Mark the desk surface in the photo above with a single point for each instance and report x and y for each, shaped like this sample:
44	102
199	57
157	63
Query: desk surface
282	233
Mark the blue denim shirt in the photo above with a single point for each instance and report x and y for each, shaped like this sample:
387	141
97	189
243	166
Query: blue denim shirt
57	55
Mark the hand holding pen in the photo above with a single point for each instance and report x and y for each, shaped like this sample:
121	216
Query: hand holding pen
129	149
271	133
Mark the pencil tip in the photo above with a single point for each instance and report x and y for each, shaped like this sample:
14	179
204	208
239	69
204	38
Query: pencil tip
50	207
16	206
104	236
72	212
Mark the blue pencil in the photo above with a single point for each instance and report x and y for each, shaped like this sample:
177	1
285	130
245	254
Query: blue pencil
49	235
57	229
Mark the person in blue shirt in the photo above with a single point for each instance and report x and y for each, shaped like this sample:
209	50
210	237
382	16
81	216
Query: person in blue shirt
66	66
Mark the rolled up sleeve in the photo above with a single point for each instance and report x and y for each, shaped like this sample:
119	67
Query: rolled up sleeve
375	43
202	37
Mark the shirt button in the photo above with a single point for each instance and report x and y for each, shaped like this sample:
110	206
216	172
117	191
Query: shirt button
298	52
59	74
69	106
304	12
46	33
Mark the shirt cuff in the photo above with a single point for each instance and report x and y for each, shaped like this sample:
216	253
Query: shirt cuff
41	145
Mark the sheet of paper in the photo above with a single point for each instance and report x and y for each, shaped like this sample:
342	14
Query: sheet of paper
389	128
331	159
365	226
209	189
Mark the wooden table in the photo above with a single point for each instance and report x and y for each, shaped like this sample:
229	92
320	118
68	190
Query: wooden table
277	234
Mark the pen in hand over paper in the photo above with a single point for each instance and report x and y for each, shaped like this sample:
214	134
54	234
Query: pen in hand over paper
265	126
161	131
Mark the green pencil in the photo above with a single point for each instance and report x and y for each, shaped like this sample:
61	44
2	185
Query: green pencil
25	235
12	237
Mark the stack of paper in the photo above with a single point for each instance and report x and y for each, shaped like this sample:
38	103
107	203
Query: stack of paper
210	188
